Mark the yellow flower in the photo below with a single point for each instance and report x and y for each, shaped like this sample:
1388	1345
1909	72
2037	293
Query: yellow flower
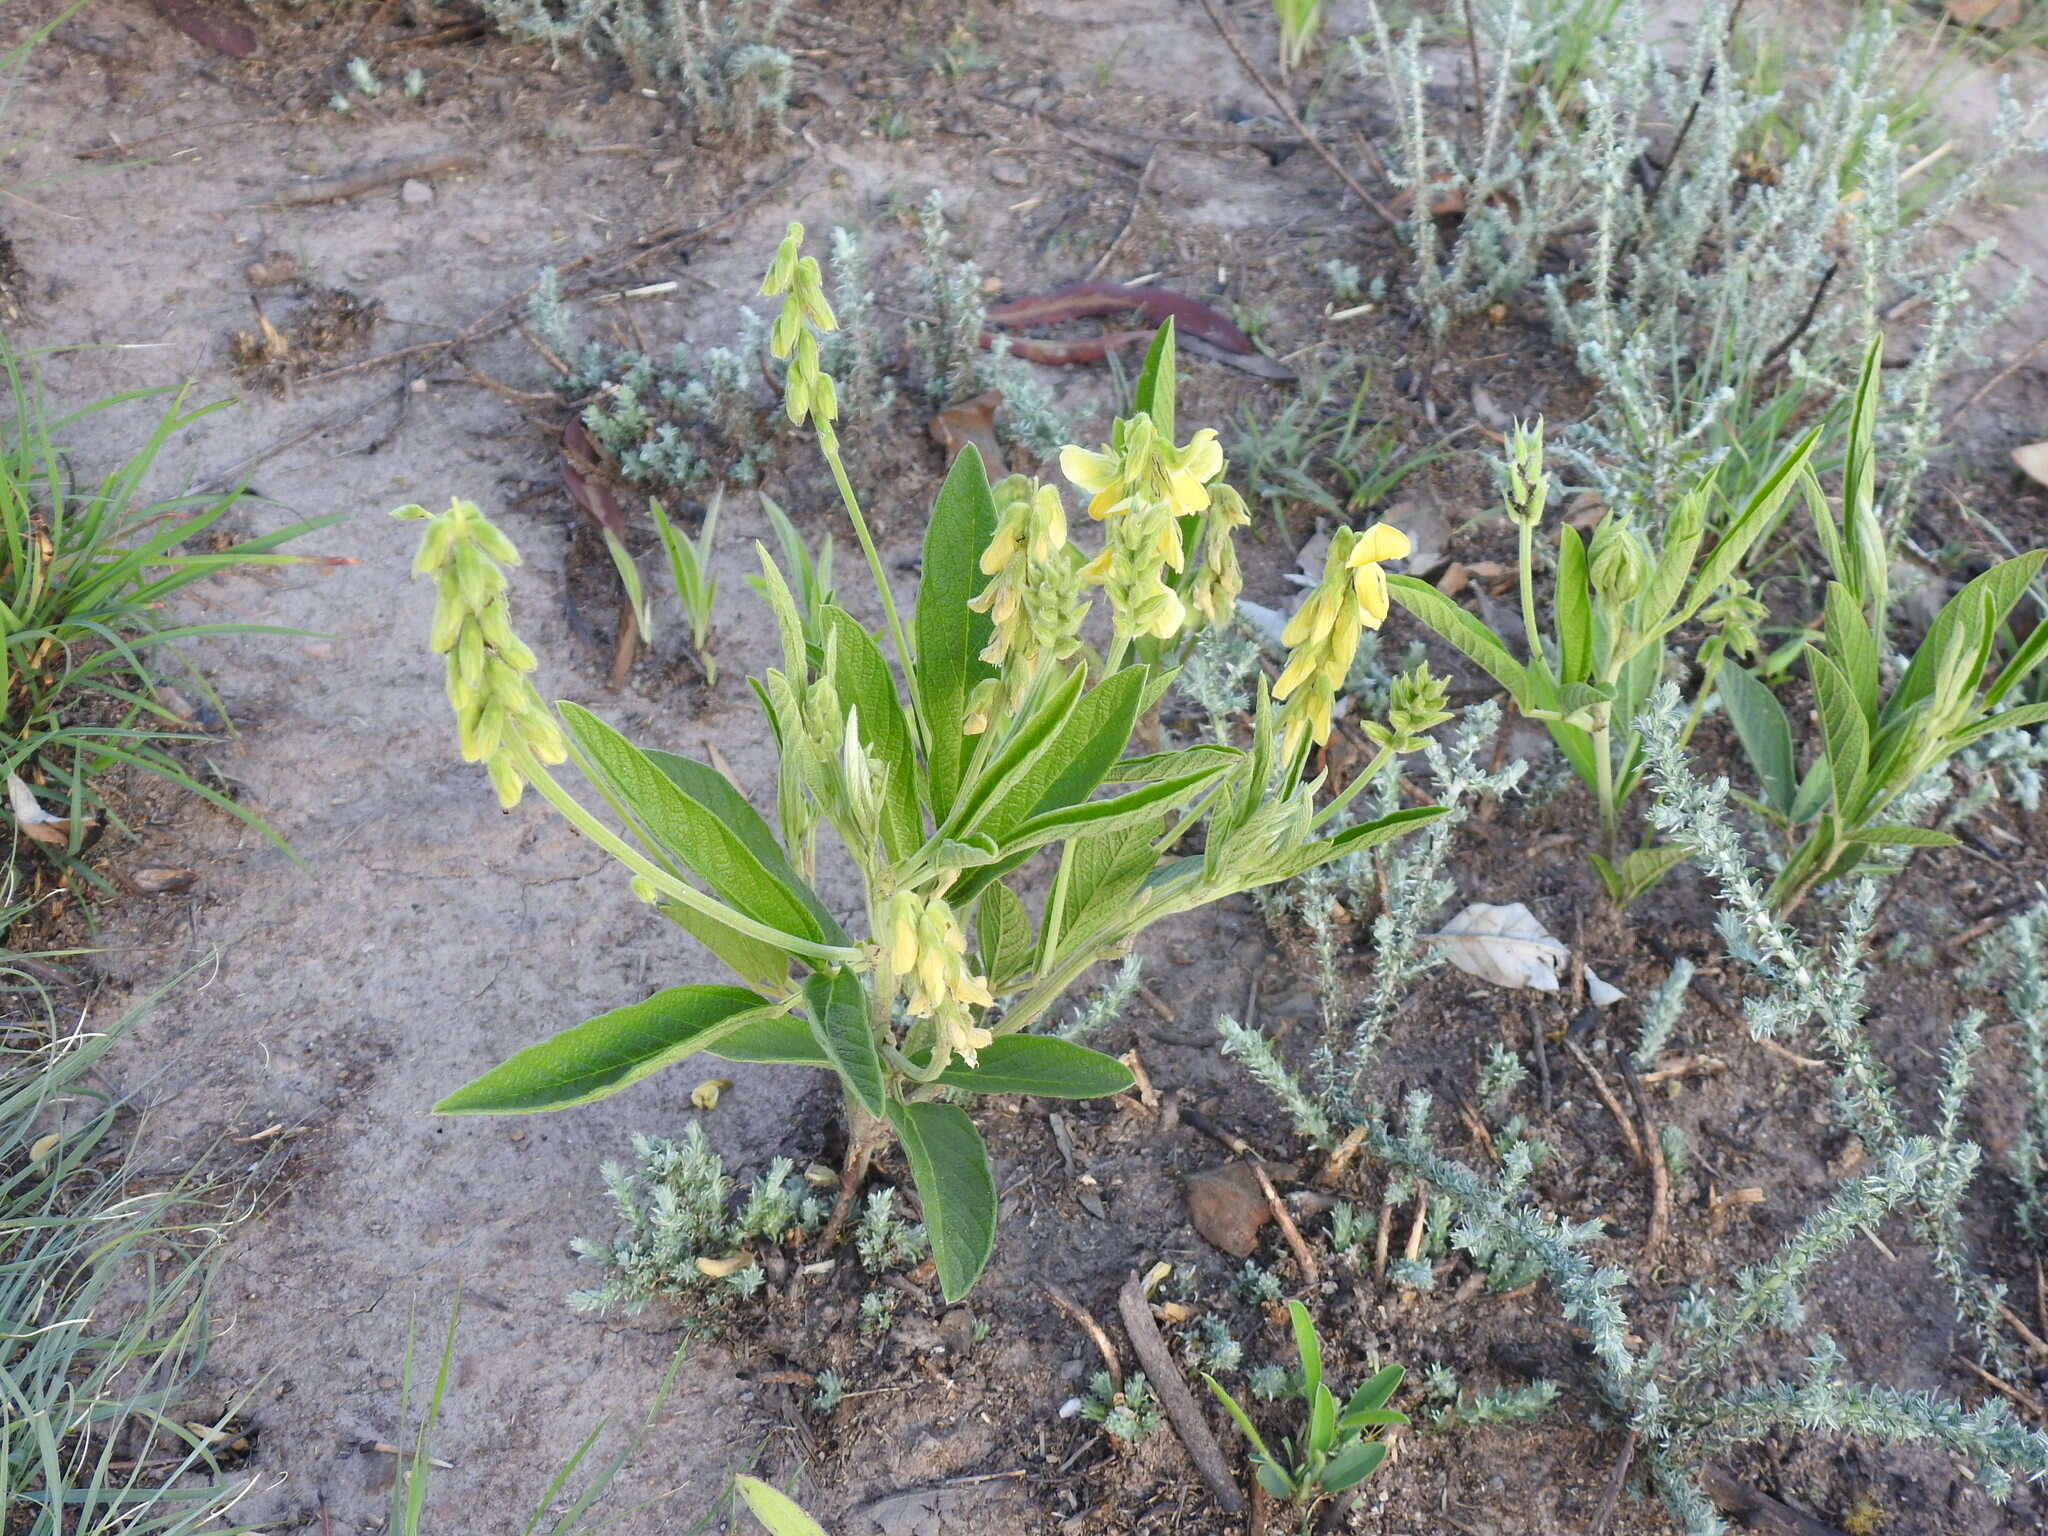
928	953
1323	633
1382	541
1145	472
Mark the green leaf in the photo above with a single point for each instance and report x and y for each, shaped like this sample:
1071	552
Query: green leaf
1765	733
1246	1428
1644	867
1815	790
864	681
1842	728
1369	834
718	795
1103	870
777	1511
1901	837
755	961
1460	630
1145	803
1002	932
1041	1065
1322	1421
1375	1392
1673	567
689	832
1308	1346
1749	525
2005	583
774	1039
2007	720
1353	1465
1154	766
949	636
1862	535
956	1187
602	1055
2025	657
838	1006
1852	647
1574	609
1030	739
1154	394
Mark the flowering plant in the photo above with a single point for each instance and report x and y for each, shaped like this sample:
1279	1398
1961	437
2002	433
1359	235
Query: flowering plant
987	743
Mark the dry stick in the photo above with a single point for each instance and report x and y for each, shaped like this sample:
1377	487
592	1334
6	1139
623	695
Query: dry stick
1997	379
1294	121
1093	1329
1820	291
1621	1119
370	181
496	321
1181	1410
1137	205
1542	1052
1612	1497
2031	1339
1379	1246
2025	1400
1660	1175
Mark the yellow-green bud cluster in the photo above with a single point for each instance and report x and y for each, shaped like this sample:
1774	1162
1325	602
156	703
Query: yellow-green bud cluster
1034	595
1619	561
1735	615
927	953
807	390
1220	580
1528	488
499	717
1415	707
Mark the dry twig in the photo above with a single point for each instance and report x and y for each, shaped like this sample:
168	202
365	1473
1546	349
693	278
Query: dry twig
1093	1329
1179	1404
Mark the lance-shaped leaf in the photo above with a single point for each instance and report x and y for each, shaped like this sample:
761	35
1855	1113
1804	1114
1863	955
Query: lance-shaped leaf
1155	391
772	1039
955	1185
838	1006
1765	733
602	1055
1574	609
1458	628
1002	932
692	833
1040	1064
949	635
863	680
1142	804
1844	732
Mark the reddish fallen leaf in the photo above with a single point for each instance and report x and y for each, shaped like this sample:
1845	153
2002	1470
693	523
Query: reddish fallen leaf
582	460
1257	364
971	422
207	29
1078	301
1060	354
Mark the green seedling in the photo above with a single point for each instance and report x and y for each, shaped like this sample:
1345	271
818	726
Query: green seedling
1337	1448
689	562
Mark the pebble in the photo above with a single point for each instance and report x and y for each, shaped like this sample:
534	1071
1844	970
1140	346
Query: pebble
415	193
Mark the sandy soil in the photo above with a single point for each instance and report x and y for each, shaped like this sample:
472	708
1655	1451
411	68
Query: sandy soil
423	935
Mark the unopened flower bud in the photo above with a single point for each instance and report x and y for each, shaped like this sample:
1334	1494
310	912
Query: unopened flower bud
1619	560
1528	486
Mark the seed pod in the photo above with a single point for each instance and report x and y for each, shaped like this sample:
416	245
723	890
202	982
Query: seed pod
435	544
492	541
470	655
449	616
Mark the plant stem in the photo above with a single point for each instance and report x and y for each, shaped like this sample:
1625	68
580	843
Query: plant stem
829	444
1603	787
1531	635
676	890
1373	769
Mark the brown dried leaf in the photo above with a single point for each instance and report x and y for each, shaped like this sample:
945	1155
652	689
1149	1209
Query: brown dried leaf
1228	1208
1990	15
1077	301
162	882
971	422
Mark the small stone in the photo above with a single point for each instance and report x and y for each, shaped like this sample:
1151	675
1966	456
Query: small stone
1006	172
387	1383
415	193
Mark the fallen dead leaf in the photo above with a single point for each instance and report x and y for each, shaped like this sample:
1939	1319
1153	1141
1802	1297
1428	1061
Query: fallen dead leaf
36	824
1504	945
1990	15
1228	1208
2033	462
971	422
39	1152
165	881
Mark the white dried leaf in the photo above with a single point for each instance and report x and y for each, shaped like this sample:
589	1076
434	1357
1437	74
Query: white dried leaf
1600	993
1264	622
1504	945
2033	461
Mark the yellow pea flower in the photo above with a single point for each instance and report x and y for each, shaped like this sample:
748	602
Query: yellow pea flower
1323	634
